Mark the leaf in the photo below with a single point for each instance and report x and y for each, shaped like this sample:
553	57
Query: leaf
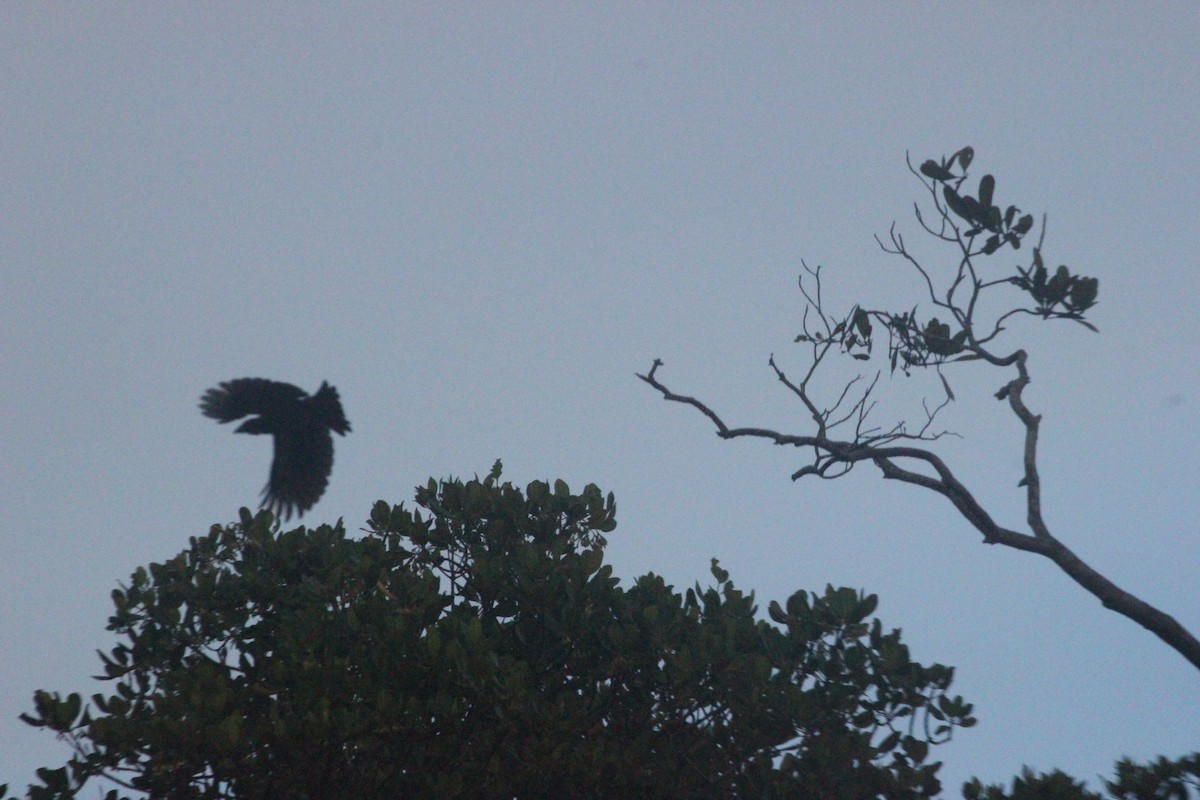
862	321
861	356
1038	287
987	185
937	339
964	156
916	749
934	170
978	213
956	203
991	245
889	742
993	218
1059	285
1024	224
1083	293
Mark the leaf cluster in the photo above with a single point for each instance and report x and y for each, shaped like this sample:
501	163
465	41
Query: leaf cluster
1063	295
957	332
912	344
1160	779
476	646
978	211
1059	295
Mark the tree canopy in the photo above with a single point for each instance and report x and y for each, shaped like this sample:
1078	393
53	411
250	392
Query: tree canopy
1161	779
477	646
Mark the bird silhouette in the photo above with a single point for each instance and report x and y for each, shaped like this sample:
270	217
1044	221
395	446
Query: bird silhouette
300	425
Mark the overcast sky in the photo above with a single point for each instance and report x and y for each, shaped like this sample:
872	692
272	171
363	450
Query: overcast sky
479	221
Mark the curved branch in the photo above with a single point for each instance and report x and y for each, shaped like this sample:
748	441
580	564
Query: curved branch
678	398
831	453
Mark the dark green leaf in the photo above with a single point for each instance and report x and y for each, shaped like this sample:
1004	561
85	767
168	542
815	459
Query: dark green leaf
934	170
987	185
956	203
975	212
916	749
862	321
1058	286
1083	293
993	219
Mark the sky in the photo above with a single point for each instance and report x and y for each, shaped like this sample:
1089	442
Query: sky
479	221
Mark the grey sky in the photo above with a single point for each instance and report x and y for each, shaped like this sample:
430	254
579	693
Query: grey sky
478	221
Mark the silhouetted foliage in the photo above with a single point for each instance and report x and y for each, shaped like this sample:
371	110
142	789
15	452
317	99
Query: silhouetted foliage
1161	779
478	647
300	426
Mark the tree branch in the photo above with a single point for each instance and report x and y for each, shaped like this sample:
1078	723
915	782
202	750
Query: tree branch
914	345
831	452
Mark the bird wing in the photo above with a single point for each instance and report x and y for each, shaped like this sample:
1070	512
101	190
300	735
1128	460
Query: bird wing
300	470
238	398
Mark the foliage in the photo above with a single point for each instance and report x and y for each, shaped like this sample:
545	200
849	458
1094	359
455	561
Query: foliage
961	329
478	647
1161	779
913	343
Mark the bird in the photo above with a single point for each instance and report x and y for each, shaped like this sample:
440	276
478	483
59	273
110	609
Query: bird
300	425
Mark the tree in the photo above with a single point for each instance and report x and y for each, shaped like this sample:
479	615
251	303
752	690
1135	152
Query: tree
478	647
976	229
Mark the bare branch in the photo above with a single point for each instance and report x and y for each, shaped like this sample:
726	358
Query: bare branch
668	395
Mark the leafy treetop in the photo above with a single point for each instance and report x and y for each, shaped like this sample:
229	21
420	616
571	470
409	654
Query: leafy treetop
478	647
